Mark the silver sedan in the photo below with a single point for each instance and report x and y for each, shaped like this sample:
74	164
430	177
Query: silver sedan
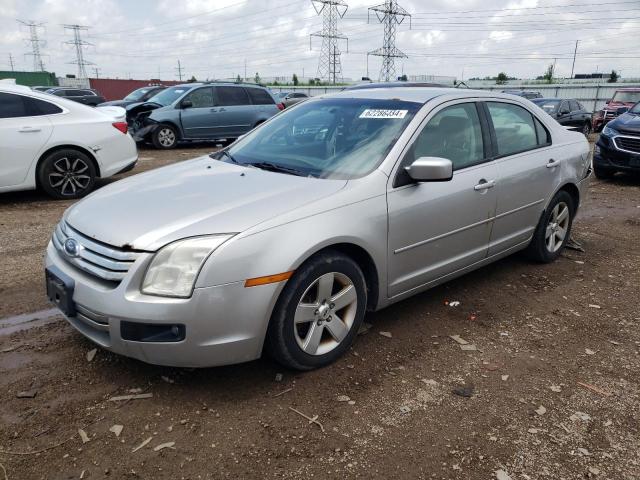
340	205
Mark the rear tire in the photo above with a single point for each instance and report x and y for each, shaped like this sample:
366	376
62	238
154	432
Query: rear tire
586	129
553	230
67	174
603	173
318	313
164	137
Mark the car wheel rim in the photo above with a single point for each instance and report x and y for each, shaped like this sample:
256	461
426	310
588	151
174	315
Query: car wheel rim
586	129
69	176
557	227
325	313
166	137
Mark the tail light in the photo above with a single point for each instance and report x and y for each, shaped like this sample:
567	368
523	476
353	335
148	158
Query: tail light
122	126
281	106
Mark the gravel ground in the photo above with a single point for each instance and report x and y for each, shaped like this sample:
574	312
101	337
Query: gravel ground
553	387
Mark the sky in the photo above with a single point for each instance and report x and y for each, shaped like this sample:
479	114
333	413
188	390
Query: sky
215	38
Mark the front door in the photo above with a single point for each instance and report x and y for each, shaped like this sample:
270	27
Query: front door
438	228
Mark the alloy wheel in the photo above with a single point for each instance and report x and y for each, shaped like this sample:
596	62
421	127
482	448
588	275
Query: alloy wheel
557	227
69	176
325	314
586	129
166	137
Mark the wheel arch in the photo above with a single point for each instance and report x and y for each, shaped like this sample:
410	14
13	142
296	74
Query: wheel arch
51	150
572	190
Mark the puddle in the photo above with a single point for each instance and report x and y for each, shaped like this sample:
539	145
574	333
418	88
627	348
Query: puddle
25	321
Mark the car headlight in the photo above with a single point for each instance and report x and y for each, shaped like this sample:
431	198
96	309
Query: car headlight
607	131
175	267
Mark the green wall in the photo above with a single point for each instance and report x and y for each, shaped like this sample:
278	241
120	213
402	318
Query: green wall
31	79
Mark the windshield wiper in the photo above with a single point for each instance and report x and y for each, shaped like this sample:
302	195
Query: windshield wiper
223	152
272	167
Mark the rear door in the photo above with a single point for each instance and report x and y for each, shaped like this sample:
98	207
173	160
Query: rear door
264	104
199	120
24	131
528	172
438	228
234	113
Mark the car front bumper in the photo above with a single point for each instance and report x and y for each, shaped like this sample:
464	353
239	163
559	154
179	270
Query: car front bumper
223	324
606	155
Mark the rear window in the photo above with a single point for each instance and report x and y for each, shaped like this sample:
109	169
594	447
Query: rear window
260	96
13	106
40	107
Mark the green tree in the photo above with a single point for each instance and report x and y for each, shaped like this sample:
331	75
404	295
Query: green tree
257	78
614	77
238	79
502	78
548	74
312	82
192	79
294	79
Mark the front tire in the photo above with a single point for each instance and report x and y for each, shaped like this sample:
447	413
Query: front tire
586	129
67	174
553	230
164	137
603	173
318	313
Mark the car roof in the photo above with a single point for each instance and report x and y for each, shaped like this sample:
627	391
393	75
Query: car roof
397	84
546	99
223	84
417	94
12	87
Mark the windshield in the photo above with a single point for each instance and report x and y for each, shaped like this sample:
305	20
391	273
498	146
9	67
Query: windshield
549	106
137	94
340	138
635	108
168	96
626	97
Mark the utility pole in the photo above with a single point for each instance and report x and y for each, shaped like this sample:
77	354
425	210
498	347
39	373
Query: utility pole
329	64
79	45
391	15
179	69
244	79
96	72
36	43
574	58
11	63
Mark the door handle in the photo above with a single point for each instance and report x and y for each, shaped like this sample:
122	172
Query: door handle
484	185
552	163
29	129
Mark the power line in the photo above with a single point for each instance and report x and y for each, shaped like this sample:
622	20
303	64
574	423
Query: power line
36	43
391	15
329	65
79	45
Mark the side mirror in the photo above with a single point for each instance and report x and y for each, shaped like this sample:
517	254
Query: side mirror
186	104
622	110
430	169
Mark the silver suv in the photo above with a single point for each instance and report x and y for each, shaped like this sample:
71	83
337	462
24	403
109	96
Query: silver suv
339	205
201	111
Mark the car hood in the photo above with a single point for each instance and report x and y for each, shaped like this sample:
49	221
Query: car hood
626	123
115	103
614	105
197	197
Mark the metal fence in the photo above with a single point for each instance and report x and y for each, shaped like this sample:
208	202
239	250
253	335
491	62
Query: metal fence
593	97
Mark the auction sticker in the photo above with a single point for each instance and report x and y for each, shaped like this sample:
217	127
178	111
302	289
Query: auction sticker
380	113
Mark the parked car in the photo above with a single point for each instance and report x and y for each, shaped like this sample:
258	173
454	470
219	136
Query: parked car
291	98
87	96
568	112
524	93
622	100
58	145
42	88
201	111
396	84
618	148
344	204
137	96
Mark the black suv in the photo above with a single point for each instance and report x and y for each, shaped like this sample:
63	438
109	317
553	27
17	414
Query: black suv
618	148
568	112
87	96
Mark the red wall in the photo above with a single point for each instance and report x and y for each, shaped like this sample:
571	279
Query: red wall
115	89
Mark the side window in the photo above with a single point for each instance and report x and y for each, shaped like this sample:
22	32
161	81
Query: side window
60	93
573	106
453	133
260	96
36	107
544	137
564	106
514	127
229	96
73	93
299	95
201	98
12	106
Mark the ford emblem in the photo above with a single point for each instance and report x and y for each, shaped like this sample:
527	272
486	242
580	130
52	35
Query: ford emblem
72	247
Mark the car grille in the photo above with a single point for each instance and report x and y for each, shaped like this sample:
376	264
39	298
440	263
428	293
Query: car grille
98	259
608	115
629	144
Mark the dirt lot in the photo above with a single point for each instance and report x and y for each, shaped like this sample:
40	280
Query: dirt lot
554	383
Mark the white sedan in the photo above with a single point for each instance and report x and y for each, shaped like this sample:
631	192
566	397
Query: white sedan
59	145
